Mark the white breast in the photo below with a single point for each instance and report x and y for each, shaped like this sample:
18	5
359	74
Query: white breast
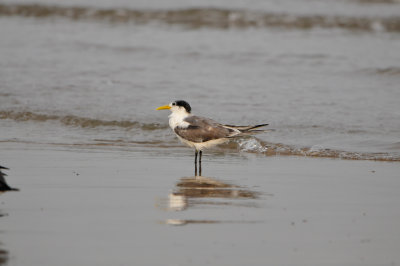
176	119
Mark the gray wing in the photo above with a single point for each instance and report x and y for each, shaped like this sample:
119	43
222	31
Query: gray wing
202	129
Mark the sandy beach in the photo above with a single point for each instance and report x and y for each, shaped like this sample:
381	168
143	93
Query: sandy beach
103	180
107	206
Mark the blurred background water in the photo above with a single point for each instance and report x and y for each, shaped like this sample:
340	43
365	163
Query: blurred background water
324	74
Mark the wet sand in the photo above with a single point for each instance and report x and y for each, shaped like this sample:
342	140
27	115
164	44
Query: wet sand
105	206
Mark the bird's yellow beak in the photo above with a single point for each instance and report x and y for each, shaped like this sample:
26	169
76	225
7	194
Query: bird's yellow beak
163	107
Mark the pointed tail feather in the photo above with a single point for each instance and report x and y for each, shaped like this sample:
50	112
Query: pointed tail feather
253	132
257	126
245	128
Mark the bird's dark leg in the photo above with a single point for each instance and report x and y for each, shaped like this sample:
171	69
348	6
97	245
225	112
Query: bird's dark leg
200	162
195	163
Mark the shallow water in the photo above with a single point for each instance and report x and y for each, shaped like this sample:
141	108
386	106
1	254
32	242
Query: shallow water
325	76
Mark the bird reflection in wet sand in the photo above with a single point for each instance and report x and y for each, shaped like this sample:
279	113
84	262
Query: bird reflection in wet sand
3	257
200	190
200	132
206	187
4	187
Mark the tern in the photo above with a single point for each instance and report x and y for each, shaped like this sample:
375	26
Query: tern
200	132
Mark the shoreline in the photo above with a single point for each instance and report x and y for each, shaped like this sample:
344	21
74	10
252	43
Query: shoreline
122	207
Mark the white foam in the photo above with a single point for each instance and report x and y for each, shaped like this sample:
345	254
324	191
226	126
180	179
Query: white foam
251	145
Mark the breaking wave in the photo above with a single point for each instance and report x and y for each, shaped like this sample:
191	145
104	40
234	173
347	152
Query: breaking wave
205	17
378	1
256	146
389	71
72	120
246	144
270	149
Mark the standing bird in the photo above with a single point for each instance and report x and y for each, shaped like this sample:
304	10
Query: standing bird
200	132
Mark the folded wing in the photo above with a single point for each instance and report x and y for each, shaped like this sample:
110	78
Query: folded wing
202	129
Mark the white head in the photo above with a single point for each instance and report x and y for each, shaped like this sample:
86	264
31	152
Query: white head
180	110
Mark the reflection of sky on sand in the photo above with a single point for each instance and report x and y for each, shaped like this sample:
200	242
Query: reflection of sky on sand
200	191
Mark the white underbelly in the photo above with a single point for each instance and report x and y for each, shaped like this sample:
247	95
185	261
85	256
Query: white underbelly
203	145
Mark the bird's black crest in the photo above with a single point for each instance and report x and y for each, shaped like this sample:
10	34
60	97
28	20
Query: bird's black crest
184	104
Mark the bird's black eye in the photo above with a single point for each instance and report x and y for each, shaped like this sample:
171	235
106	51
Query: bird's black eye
174	104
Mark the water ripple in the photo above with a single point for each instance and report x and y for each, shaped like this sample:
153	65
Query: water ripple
206	17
